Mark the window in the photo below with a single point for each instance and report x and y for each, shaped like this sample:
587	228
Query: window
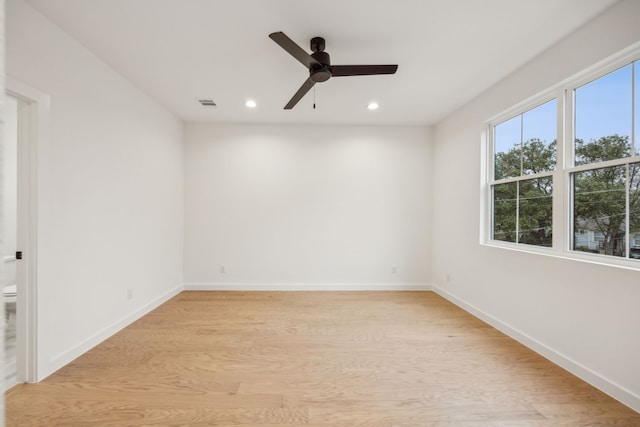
587	166
524	159
605	212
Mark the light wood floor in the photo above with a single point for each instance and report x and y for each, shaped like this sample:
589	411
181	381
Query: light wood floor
321	359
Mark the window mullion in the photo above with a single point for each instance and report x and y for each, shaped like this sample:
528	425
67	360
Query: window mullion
569	215
627	218
559	194
633	113
518	212
521	144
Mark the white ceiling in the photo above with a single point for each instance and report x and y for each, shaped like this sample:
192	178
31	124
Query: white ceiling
448	52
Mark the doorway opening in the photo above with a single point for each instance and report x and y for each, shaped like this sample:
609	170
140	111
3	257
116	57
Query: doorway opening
10	230
26	125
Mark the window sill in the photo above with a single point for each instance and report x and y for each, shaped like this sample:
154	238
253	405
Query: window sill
595	259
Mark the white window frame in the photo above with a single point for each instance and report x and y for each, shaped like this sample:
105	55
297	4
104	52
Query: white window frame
562	202
517	110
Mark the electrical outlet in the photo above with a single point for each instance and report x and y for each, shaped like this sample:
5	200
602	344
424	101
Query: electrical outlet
448	278
129	293
223	270
394	269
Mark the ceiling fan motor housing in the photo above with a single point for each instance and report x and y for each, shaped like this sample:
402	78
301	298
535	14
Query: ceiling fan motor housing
319	73
317	44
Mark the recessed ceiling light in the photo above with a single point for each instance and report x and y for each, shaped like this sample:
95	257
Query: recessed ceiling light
251	103
373	106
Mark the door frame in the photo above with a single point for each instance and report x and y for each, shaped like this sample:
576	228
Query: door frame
33	131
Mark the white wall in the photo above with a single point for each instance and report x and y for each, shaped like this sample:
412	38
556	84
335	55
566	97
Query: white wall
307	206
110	191
584	316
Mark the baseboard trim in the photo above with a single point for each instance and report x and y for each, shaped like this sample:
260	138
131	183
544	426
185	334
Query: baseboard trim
68	356
307	287
614	390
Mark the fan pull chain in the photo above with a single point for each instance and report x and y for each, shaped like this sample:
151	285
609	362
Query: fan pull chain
314	97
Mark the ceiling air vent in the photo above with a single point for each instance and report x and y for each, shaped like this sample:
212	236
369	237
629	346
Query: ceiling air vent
206	102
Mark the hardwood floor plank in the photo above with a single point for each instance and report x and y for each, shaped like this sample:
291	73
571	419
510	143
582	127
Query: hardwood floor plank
416	410
599	410
131	416
149	397
621	422
313	359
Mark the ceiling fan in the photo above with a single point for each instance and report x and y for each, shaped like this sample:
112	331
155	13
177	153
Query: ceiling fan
319	65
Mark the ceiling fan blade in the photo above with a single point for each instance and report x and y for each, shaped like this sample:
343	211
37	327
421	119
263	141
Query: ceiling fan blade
306	86
294	50
361	70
